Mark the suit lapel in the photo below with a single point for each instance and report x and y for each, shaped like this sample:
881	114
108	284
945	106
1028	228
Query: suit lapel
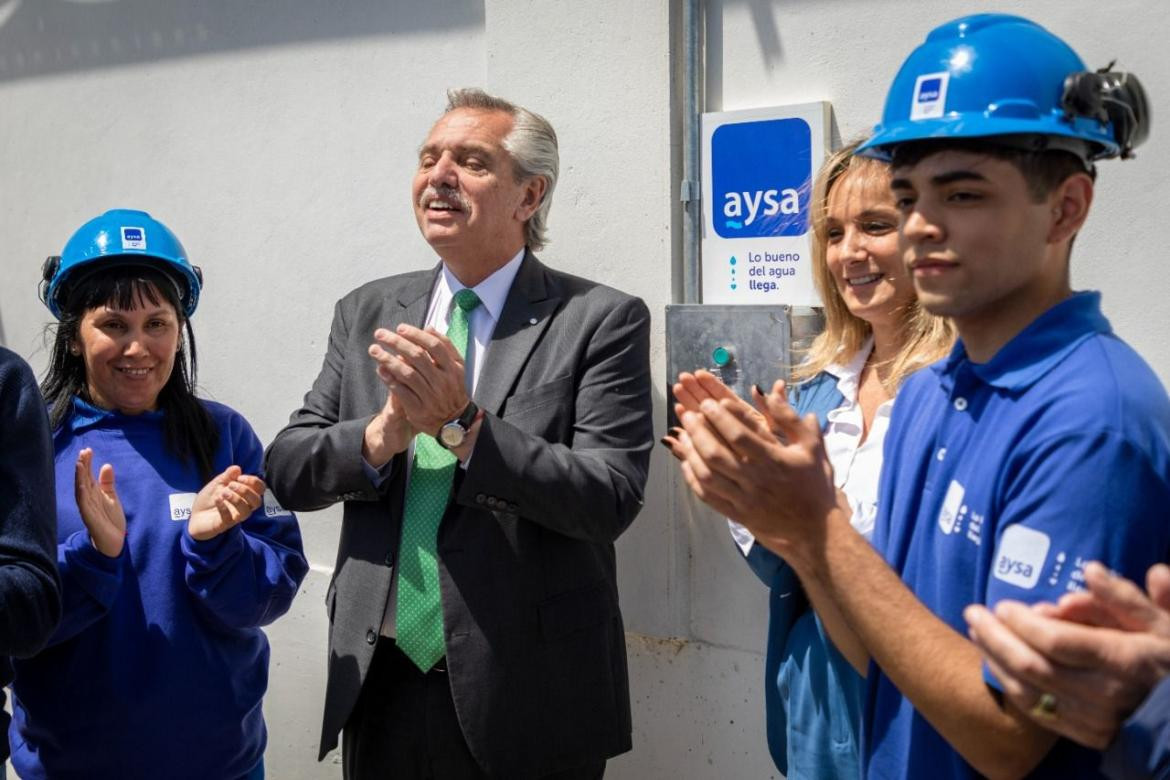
527	311
413	299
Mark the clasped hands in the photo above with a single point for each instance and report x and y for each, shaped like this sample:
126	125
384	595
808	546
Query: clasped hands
762	466
226	501
1097	653
426	382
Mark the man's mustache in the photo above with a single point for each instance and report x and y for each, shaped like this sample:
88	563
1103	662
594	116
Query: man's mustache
446	194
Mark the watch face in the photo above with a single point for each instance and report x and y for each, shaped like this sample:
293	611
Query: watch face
451	435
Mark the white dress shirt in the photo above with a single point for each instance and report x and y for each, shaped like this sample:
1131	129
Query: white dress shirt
856	464
492	293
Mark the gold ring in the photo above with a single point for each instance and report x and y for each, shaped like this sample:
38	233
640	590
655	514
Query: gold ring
1045	707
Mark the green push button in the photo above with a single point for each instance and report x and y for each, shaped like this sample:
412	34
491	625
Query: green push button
722	356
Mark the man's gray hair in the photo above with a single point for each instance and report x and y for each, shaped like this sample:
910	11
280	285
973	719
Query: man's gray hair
533	146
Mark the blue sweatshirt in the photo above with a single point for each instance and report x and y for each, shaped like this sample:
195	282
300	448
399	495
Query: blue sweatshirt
159	666
30	595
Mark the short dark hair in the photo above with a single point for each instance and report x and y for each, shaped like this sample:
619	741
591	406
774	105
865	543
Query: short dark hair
190	432
1043	170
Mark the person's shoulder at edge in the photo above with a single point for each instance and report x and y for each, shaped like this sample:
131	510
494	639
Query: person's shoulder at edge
574	284
1106	385
14	367
375	288
237	437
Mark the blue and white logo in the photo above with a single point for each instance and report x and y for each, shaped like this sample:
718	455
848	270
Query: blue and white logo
930	95
761	178
133	238
930	90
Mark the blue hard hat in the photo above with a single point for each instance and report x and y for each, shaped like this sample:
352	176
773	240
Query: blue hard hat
992	75
121	237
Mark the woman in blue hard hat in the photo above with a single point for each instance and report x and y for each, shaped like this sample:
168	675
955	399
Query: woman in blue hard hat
875	336
171	557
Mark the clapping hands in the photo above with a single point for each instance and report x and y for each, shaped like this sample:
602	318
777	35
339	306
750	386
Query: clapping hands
98	503
226	501
1093	656
763	467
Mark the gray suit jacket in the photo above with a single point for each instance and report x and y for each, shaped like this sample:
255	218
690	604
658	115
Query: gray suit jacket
535	643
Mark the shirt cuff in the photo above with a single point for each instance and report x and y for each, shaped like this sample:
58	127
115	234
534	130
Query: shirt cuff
1142	746
742	536
378	476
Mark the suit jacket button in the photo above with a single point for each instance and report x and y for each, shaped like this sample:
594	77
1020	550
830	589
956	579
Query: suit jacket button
371	637
480	498
492	502
390	558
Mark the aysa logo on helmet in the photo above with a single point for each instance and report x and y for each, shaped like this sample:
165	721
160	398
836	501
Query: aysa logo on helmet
760	176
930	95
133	238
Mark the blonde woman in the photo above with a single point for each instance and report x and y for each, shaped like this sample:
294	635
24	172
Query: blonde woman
875	336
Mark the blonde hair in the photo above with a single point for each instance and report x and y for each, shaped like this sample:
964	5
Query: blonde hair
927	338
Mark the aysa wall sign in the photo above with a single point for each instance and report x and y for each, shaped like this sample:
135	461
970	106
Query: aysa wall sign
758	168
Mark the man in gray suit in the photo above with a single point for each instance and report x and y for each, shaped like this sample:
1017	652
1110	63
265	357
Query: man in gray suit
488	426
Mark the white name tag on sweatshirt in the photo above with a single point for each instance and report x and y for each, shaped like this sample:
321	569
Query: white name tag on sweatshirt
181	504
272	507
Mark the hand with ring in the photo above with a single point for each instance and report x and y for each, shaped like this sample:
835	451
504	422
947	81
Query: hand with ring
1082	666
1045	708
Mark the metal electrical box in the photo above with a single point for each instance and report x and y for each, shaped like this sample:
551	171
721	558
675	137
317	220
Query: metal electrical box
742	345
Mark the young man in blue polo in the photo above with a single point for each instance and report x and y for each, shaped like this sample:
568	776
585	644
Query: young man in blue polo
1041	443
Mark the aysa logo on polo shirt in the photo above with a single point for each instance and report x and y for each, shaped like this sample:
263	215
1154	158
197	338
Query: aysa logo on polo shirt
950	515
1021	556
761	174
930	95
133	238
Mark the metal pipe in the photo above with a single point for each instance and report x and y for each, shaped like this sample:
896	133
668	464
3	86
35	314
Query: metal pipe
689	188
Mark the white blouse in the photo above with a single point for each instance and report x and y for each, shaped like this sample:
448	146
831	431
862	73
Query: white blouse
856	464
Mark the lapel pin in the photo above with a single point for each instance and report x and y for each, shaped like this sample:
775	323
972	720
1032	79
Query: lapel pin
532	321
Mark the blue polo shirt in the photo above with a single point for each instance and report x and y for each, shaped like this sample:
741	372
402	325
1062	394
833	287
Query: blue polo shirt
1001	480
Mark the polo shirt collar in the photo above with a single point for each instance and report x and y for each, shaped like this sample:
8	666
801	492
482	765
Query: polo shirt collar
1038	348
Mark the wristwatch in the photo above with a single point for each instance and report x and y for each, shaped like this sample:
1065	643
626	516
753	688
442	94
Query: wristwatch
453	433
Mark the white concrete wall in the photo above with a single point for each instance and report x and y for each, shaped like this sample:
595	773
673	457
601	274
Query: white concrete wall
278	141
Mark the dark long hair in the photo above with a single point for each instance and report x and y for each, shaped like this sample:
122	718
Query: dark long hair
190	433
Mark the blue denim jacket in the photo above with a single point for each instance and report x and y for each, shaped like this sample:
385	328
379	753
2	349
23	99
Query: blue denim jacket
813	697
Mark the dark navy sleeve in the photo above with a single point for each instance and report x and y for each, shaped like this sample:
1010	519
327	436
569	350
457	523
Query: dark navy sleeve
1142	746
30	591
247	576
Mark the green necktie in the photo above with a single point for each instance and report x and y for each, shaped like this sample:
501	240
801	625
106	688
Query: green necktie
419	619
